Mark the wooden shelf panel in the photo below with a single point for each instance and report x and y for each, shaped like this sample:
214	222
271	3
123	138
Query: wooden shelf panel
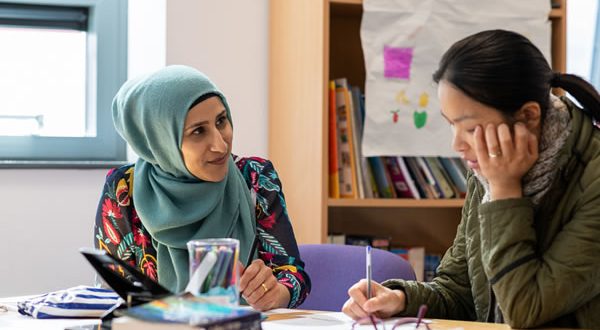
556	13
433	228
397	202
347	2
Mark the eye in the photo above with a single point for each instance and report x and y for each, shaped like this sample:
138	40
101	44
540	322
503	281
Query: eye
198	131
221	121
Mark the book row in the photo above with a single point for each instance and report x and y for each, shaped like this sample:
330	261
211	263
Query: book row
353	176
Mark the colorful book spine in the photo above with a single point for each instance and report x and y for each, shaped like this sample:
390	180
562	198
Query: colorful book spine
417	174
409	179
397	177
363	173
384	186
347	174
430	180
334	178
441	178
456	175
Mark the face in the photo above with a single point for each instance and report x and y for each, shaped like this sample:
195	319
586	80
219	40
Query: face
207	137
464	114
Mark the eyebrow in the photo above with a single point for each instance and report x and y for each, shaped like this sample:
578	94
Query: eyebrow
458	119
194	125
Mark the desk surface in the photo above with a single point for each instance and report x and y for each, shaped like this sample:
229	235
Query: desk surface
280	319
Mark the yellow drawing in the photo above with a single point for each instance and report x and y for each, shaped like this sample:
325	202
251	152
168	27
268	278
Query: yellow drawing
423	100
402	98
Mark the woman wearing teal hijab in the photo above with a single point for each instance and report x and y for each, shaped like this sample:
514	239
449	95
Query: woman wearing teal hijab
187	185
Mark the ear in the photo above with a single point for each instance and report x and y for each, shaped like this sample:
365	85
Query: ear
530	114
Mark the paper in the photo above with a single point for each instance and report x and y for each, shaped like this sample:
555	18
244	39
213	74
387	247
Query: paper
332	320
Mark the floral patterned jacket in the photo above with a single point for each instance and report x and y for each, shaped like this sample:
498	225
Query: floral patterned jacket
119	230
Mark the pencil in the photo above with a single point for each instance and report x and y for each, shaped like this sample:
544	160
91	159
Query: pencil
368	272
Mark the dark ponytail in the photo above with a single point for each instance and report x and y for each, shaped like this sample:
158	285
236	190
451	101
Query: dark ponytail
504	70
581	90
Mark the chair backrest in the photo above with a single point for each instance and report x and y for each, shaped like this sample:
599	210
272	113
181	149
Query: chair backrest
334	268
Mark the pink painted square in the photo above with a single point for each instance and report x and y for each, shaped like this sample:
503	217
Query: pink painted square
397	62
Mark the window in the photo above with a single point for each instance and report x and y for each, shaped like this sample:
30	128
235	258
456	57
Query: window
61	63
595	75
582	47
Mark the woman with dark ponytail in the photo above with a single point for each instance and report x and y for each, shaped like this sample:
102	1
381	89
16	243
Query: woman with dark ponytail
527	250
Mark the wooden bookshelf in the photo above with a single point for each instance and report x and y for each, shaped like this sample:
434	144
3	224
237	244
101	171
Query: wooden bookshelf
396	202
304	38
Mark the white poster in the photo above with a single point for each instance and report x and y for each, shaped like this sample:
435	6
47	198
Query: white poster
403	41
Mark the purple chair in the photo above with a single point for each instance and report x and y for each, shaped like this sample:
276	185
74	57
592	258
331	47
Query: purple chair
334	268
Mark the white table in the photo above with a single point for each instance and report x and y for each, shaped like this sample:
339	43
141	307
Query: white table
279	319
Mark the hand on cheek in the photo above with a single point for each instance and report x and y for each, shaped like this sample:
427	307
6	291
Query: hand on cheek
504	158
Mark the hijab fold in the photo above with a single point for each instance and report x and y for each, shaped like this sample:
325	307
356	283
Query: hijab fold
174	206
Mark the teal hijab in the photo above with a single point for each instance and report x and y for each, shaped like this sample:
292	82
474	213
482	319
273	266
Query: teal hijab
149	113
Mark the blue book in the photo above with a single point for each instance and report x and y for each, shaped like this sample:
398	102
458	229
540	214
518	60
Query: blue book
384	185
456	175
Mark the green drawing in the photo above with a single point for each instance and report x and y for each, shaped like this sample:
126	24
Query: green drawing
419	118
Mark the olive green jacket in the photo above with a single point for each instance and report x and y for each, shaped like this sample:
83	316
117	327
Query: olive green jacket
543	268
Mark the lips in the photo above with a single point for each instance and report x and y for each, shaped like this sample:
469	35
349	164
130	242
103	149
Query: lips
219	161
472	164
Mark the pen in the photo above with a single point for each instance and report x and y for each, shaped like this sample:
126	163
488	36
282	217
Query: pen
421	314
368	272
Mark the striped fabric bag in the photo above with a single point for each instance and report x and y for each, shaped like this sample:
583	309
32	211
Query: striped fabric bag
77	302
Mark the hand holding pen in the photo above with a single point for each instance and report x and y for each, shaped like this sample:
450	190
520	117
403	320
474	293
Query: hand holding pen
259	286
371	298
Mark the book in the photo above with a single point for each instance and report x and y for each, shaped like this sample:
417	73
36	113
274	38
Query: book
429	179
334	177
347	164
384	186
409	179
361	240
374	192
336	238
432	261
382	243
417	174
442	180
364	183
400	183
456	175
416	257
186	312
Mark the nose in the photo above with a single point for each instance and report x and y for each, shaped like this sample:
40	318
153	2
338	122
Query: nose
458	144
218	143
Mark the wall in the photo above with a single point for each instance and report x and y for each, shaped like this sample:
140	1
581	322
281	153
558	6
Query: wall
46	215
227	40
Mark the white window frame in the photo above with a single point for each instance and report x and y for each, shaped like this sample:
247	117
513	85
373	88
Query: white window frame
106	72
